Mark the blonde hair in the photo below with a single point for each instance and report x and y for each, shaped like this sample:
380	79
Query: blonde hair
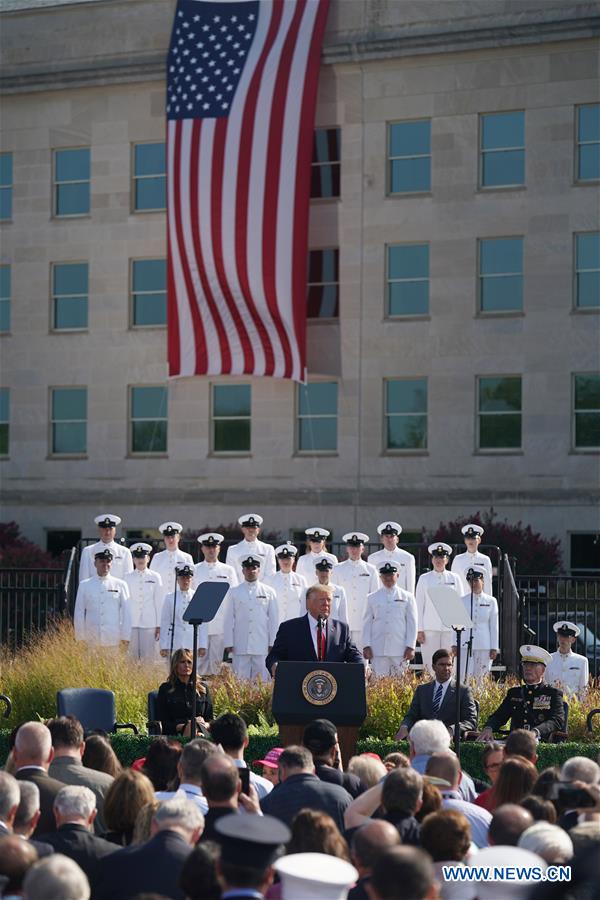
321	588
369	770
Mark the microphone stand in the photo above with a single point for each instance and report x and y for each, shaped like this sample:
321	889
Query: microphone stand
470	641
458	632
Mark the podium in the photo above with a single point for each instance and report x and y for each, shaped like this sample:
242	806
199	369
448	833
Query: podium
304	691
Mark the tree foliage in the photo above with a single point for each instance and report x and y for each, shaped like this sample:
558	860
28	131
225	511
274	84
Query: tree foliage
16	552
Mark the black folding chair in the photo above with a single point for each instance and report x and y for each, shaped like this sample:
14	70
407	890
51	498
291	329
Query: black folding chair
94	707
154	726
7	706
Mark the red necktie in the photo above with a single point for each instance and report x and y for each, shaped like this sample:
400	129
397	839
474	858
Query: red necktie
323	647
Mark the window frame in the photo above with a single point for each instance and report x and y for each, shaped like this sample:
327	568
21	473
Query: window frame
385	415
8	299
135	178
52	454
9	187
310	284
574	411
586	310
149	454
55	184
132	324
499	312
492	451
298	452
53	297
480	152
409	317
577	143
212	418
319	165
6	422
389	159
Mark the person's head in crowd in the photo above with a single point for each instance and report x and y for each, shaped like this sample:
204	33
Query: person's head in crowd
540	809
446	766
585	836
9	799
516	779
67	736
428	736
198	879
247	854
396	761
402	871
295	760
544	784
491	760
220	781
143	822
99	755
369	770
28	812
580	768
320	737
521	743
442	663
57	877
369	841
125	797
432	800
270	764
33	746
402	792
446	835
549	841
191	760
160	765
16	858
180	815
508	824
75	805
231	732
314	831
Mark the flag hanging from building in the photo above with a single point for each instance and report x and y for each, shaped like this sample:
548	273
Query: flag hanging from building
241	94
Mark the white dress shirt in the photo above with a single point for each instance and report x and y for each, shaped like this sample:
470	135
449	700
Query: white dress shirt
146	593
568	672
290	589
165	564
183	634
390	624
306	565
465	561
314	624
403	560
359	579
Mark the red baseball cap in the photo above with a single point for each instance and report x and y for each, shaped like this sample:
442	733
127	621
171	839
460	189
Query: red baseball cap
271	759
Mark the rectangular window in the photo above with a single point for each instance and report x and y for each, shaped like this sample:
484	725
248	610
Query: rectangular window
149	292
587	270
501	274
69	296
586	412
502	149
585	553
149	177
499	413
323	284
72	182
588	142
148	420
325	168
408	280
68	421
405	414
4	421
5	293
409	157
231	418
6	186
317	417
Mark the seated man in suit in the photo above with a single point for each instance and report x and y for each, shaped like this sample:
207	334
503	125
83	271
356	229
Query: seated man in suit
437	699
314	636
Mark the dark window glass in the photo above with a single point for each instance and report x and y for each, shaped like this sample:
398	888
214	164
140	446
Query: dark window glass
325	169
323	284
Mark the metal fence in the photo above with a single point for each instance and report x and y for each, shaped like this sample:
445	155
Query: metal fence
30	599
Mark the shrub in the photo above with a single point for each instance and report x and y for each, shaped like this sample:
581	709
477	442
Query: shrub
16	552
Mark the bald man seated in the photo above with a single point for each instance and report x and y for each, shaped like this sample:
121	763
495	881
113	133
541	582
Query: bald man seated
32	755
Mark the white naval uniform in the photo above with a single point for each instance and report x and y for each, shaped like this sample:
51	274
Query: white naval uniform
290	590
485	634
390	626
465	561
568	672
220	573
436	636
250	624
359	579
183	635
339	603
264	553
122	562
306	563
146	593
102	612
165	564
403	560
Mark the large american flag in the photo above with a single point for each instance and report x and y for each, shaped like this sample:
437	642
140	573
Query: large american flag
241	94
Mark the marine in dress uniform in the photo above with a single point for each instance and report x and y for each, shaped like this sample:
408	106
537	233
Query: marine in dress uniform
172	622
339	601
393	554
359	579
535	706
122	562
432	635
212	569
250	524
473	558
317	550
289	587
251	620
146	594
482	609
390	625
568	671
102	613
171	557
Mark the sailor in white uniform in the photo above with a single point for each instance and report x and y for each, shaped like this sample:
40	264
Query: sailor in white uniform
317	550
121	563
102	614
392	553
473	558
250	524
289	587
359	579
166	561
212	569
251	620
175	633
482	609
339	601
432	634
146	595
390	625
566	670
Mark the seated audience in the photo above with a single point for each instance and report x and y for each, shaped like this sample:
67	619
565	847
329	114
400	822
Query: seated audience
9	802
399	797
221	788
320	737
231	732
491	760
316	832
56	877
396	761
367	769
176	695
549	841
403	872
516	779
198	879
270	765
447	766
32	755
508	824
160	764
27	816
521	742
446	837
431	736
16	858
100	756
578	768
189	770
127	794
368	842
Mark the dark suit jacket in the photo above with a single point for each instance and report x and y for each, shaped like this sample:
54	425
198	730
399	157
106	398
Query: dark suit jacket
80	845
49	788
152	868
70	770
294	642
422	707
531	706
305	790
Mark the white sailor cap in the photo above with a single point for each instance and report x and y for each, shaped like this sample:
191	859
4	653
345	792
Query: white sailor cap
210	539
567	629
389	528
317	533
502	856
472	530
439	548
475	572
107	520
251	520
531	653
354	538
140	549
286	550
170	528
315	876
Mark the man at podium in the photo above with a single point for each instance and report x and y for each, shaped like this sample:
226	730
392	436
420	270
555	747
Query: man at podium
314	636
